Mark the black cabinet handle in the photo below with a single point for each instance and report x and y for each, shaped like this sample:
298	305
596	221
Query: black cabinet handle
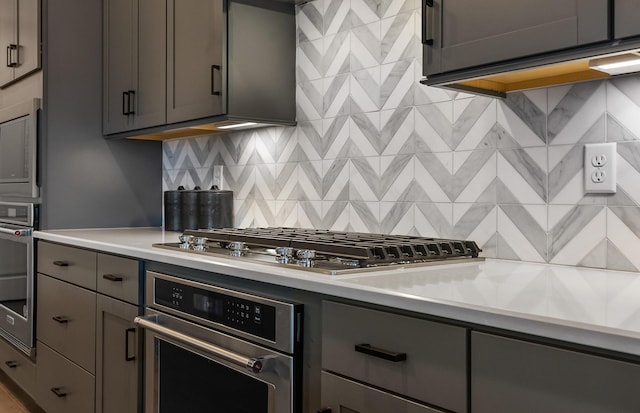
325	410
58	391
127	357
380	353
112	277
125	103
12	364
213	81
10	49
60	319
132	103
427	8
61	263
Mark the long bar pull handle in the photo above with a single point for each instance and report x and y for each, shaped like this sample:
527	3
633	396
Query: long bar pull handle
427	11
255	365
60	319
112	277
58	391
61	263
9	56
380	353
127	332
213	81
12	364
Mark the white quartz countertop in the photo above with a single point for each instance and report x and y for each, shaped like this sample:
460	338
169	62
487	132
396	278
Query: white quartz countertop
593	307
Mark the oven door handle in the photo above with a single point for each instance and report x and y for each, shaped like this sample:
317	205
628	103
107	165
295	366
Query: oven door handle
255	364
21	232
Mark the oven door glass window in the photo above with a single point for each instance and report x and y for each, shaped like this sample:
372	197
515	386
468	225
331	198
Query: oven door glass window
189	382
14	269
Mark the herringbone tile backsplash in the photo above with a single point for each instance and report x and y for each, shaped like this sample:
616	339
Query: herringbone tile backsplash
376	151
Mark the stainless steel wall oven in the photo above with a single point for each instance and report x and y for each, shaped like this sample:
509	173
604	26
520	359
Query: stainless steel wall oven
17	221
209	348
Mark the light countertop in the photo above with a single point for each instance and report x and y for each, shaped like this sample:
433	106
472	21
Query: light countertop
593	307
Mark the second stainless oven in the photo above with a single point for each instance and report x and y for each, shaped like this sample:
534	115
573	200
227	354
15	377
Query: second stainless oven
209	348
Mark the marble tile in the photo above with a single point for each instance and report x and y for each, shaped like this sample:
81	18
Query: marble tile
623	104
576	113
522	232
396	135
336	16
434	127
309	21
335	138
364	179
336	215
335	180
628	179
309	55
399	38
396	177
623	238
336	96
336	58
522	117
474	177
577	235
434	219
309	99
433	177
474	122
310	140
566	177
396	217
310	180
365	90
364	216
477	222
366	45
397	84
522	176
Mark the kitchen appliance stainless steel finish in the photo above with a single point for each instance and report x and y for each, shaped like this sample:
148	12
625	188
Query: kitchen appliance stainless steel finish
18	150
17	221
323	251
211	346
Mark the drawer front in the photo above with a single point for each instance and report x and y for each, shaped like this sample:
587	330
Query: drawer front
63	387
342	395
67	320
18	367
355	339
70	264
118	277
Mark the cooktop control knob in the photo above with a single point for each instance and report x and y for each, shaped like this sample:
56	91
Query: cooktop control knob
284	255
199	243
237	248
185	241
305	258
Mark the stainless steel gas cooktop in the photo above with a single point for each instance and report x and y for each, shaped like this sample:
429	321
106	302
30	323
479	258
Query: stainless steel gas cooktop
329	252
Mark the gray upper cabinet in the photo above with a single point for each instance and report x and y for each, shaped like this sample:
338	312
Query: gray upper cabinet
460	34
194	59
134	64
170	65
19	39
627	16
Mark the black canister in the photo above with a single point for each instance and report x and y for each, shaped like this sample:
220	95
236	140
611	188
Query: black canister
189	208
215	209
172	208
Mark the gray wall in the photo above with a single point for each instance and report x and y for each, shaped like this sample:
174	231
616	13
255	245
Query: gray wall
88	181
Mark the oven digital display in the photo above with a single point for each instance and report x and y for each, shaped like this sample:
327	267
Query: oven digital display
226	309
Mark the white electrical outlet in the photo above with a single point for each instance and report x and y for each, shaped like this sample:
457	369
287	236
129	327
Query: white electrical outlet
600	168
218	176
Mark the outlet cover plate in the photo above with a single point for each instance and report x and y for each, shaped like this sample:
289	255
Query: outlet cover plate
600	168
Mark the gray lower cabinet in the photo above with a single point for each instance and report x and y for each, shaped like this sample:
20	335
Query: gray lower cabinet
19	39
420	359
509	375
341	395
18	367
460	34
118	357
62	386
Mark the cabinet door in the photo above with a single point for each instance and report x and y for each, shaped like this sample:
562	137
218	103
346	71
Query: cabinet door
134	64
195	66
118	357
118	59
28	37
467	33
627	15
510	375
8	40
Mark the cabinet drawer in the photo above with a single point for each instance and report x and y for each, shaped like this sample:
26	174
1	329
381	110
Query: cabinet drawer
62	387
434	371
118	277
342	395
67	320
70	264
18	367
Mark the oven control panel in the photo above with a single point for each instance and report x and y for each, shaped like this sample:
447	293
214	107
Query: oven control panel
231	309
